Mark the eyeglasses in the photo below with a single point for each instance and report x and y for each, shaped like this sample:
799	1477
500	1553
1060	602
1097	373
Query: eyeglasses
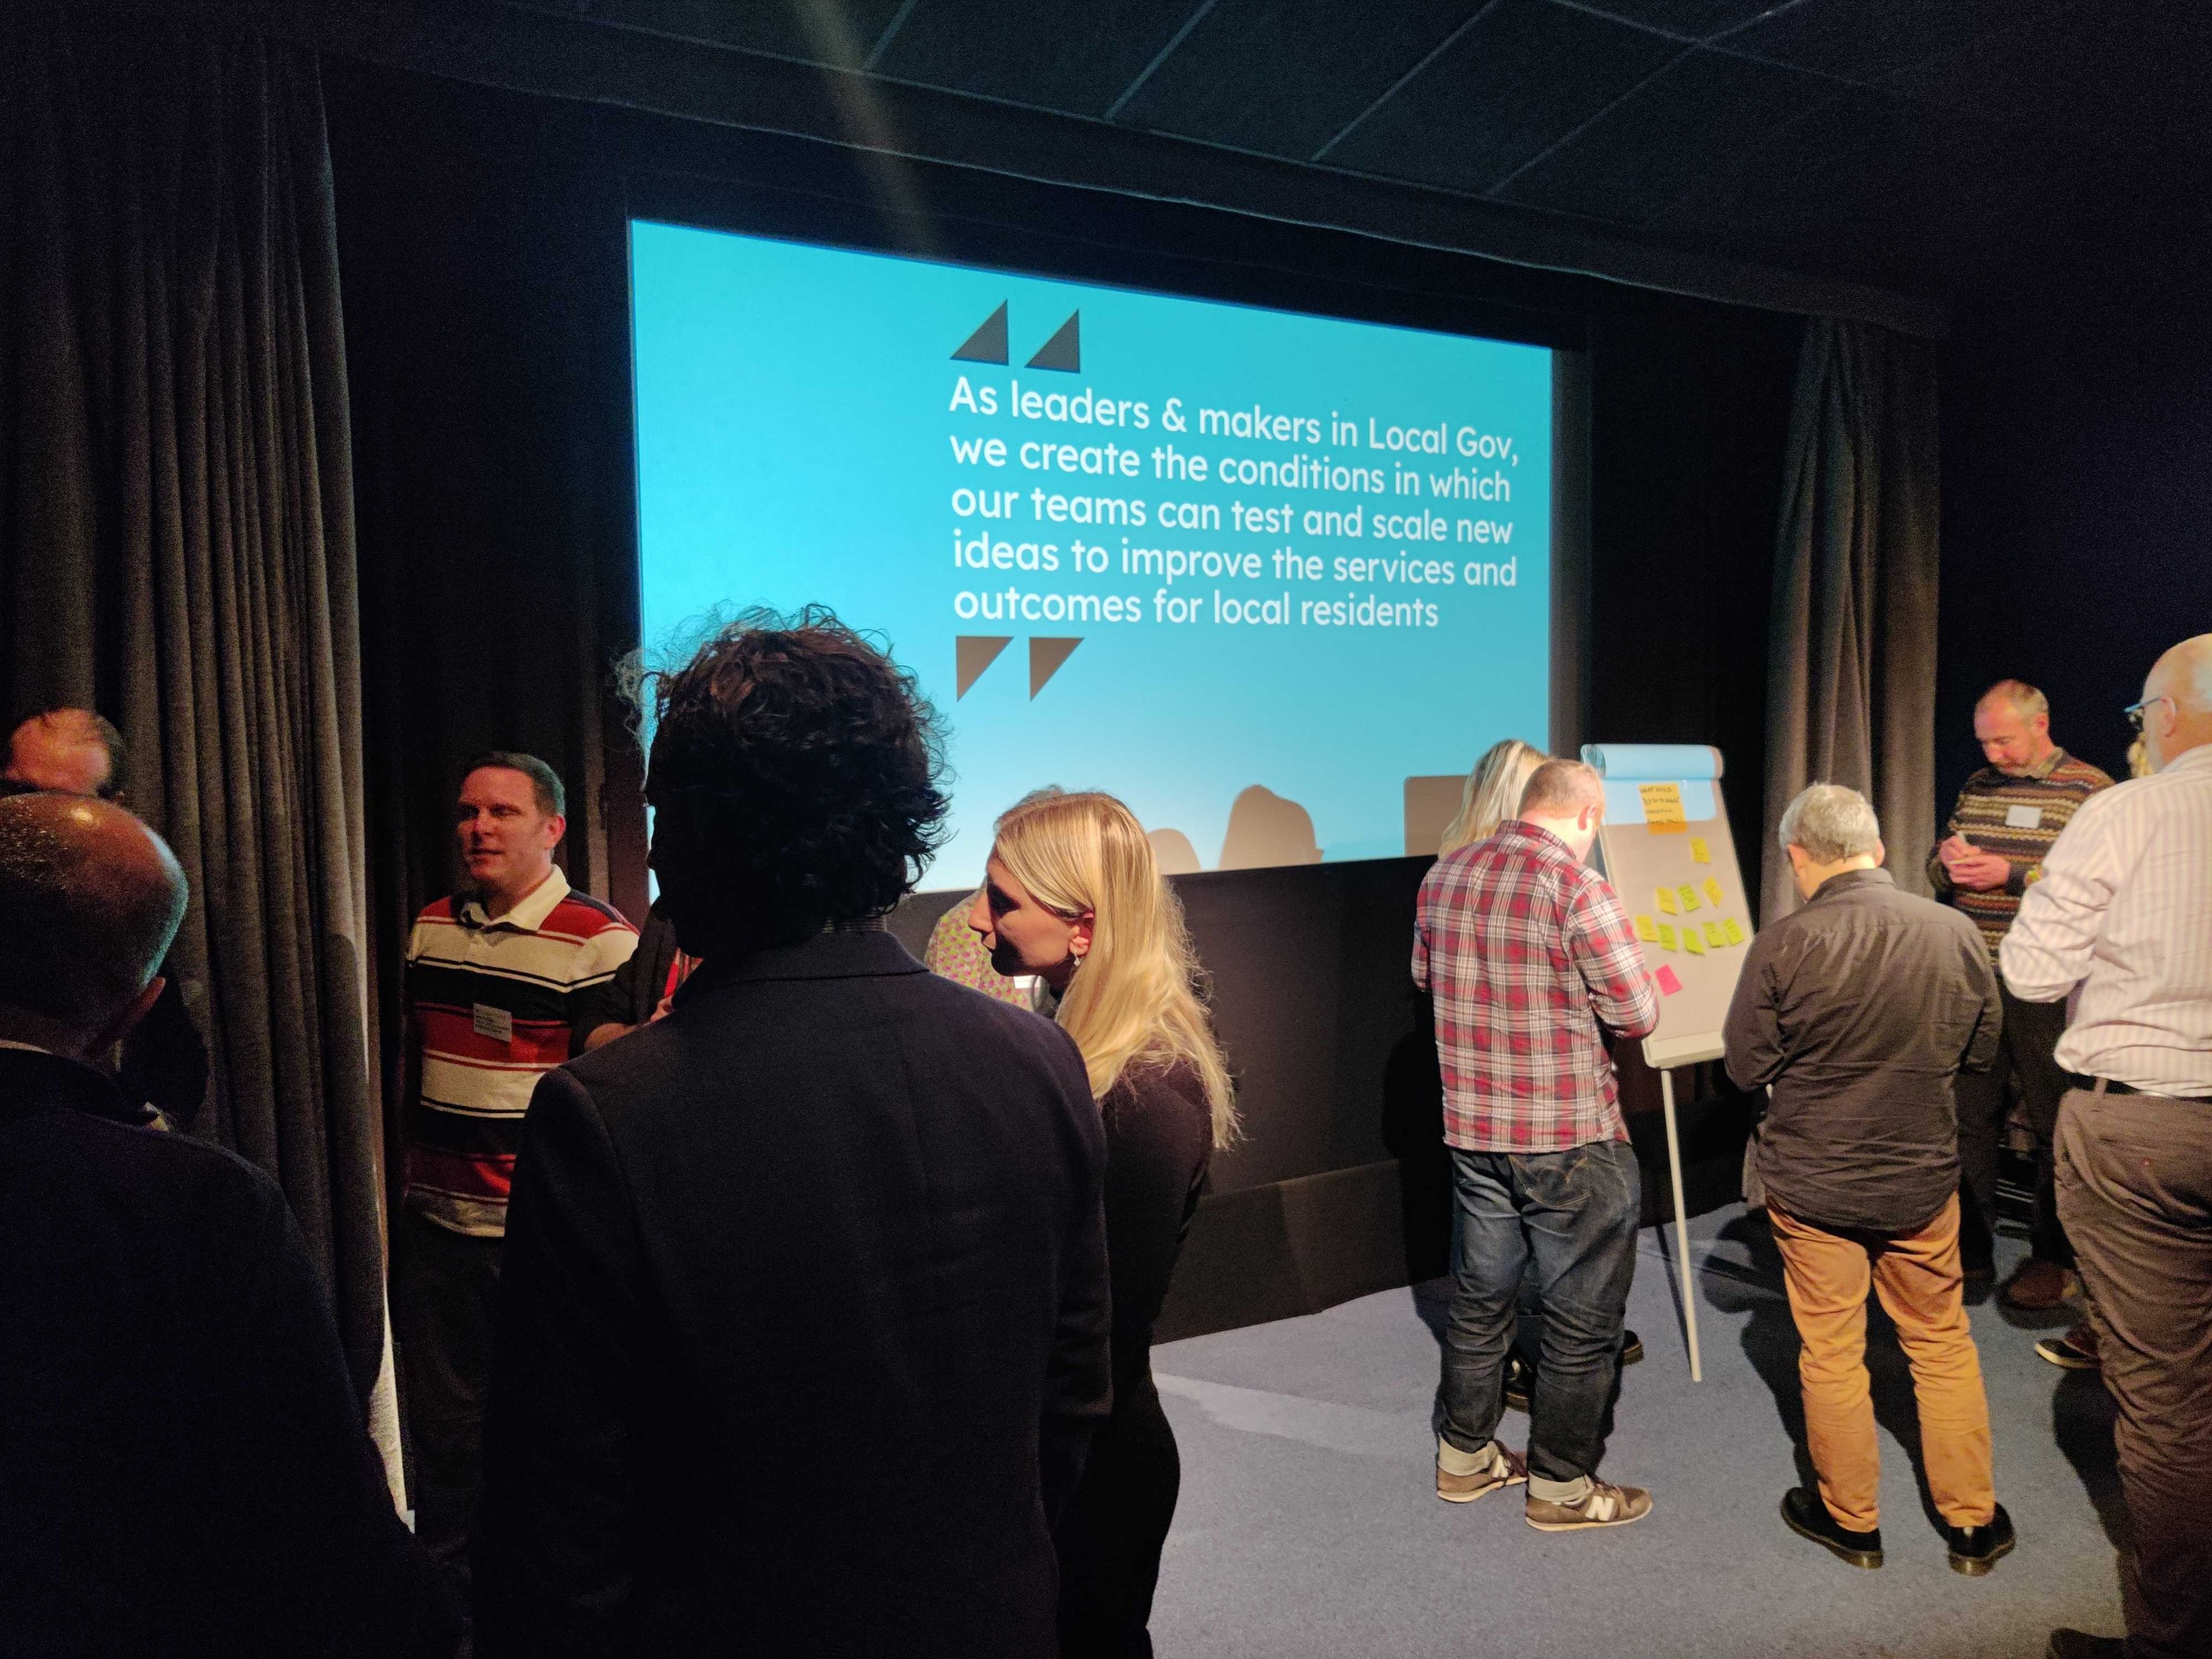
2134	711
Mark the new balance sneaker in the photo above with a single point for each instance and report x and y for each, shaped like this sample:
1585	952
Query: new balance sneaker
1504	1468
1603	1505
1804	1514
1975	1550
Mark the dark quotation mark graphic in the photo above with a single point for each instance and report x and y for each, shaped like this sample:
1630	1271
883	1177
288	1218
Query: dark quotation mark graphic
1062	353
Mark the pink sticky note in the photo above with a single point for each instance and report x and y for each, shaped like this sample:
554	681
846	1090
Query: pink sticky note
1667	983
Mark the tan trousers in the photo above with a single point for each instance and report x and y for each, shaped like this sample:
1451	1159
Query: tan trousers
1918	1280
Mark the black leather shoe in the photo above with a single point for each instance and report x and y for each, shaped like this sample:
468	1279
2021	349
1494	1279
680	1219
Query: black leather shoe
2074	1644
1975	1550
1804	1514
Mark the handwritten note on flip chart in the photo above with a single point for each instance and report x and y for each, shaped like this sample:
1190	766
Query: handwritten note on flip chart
1669	981
1665	937
1647	930
1734	932
1667	904
1712	891
1662	809
1716	936
1692	941
1689	897
1700	852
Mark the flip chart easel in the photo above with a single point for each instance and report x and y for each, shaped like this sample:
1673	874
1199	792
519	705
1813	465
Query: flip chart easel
1669	856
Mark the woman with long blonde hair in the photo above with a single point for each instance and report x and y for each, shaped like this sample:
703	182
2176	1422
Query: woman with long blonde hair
1492	793
1072	895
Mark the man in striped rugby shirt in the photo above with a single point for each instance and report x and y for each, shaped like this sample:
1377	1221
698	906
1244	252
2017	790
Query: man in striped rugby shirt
499	974
2008	815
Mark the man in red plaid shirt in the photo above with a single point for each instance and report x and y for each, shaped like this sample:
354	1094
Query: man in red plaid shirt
1525	950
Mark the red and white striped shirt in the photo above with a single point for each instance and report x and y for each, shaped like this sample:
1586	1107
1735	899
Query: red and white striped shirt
1524	948
491	1006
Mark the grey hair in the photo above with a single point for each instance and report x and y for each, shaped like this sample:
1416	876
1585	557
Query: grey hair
2023	699
1562	785
1831	823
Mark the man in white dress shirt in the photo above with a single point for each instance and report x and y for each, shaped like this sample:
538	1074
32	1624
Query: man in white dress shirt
2122	921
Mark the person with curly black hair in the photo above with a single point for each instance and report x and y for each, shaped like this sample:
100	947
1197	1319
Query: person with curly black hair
805	1322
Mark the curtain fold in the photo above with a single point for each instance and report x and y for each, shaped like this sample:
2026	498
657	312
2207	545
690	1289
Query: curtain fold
177	550
1851	650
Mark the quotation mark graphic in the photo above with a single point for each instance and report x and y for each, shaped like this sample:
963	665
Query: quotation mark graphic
1063	352
974	653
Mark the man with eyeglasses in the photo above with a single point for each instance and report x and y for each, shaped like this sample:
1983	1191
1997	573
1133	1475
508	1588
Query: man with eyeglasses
2122	923
2008	815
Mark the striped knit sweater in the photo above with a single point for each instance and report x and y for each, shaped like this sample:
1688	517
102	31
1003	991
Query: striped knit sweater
2019	817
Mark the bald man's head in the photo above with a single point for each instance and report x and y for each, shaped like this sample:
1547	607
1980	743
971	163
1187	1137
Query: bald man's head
89	900
71	750
2177	714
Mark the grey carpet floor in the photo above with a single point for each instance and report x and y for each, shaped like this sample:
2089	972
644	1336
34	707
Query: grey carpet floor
1308	1524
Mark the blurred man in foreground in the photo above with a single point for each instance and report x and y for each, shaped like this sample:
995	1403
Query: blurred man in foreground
182	1464
804	1328
2122	920
1859	1007
1526	952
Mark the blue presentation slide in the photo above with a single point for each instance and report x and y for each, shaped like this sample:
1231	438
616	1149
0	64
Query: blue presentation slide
1266	576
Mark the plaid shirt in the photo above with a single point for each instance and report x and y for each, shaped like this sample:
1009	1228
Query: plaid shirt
1525	949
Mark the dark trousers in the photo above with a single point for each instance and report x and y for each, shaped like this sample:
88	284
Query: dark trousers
2134	1185
444	1286
1573	1213
2032	1030
1115	1524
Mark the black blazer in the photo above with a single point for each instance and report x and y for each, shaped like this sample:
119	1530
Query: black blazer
182	1463
803	1324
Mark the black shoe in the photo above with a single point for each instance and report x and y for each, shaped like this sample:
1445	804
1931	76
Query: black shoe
1975	1550
2074	1644
1632	1347
1804	1514
1520	1381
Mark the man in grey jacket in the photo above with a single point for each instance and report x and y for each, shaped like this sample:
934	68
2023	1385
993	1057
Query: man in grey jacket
1859	1008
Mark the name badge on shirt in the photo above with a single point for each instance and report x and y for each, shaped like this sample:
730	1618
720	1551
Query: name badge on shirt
2023	818
496	1023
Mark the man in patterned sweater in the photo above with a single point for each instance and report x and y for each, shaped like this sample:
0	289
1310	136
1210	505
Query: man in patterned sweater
500	976
2008	815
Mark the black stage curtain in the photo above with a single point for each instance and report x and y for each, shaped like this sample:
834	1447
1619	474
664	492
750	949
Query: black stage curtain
177	549
1851	686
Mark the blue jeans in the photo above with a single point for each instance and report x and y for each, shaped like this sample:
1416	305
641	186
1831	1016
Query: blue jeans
1573	1214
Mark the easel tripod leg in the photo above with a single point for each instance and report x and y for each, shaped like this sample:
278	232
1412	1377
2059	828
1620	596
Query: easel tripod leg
1681	1227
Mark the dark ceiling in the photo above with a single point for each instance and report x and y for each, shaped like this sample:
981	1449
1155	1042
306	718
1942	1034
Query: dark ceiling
1921	145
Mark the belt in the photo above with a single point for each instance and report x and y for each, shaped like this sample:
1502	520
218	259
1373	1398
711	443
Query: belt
2105	1086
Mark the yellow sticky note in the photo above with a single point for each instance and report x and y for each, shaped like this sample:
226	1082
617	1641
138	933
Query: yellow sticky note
1690	941
1689	896
1716	935
1712	890
1667	901
1700	852
1647	930
1665	937
1731	931
1662	808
